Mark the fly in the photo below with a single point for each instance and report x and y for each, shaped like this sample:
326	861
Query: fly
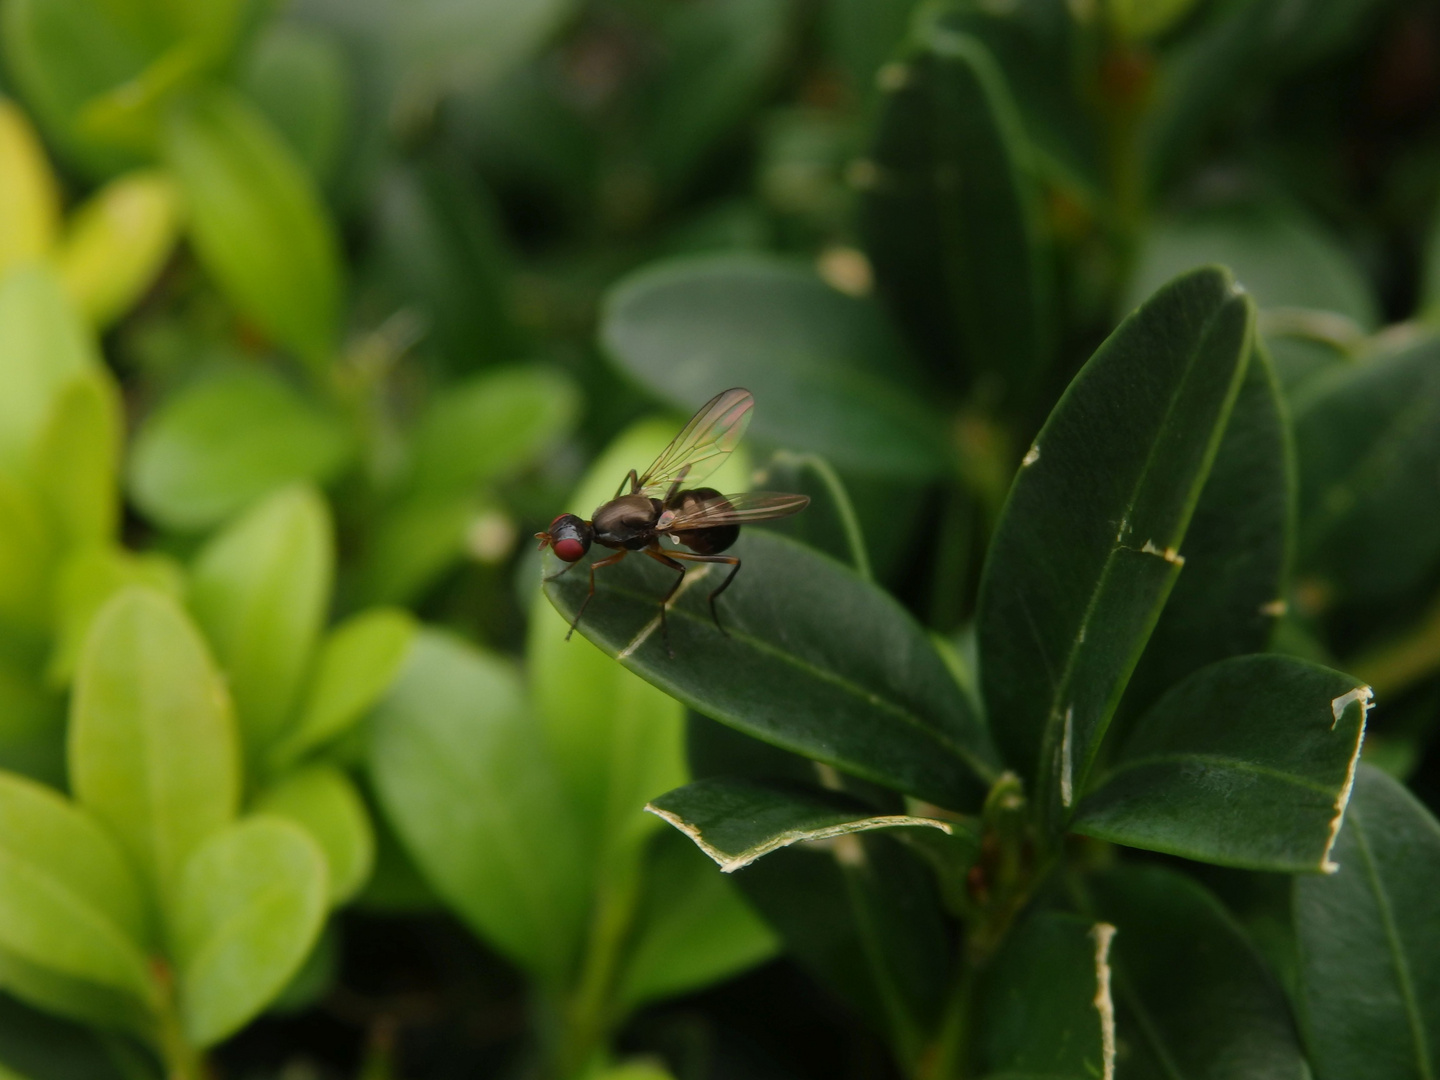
659	504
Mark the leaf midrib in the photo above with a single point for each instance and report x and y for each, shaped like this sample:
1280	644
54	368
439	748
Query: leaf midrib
1219	760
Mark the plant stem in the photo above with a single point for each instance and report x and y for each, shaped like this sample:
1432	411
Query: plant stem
948	1058
182	1060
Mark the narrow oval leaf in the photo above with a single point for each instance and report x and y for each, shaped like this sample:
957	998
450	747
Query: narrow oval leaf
251	904
813	659
692	928
357	662
117	242
260	589
485	428
819	363
1231	593
77	460
1370	941
221	443
323	801
948	214
1248	762
153	748
1193	997
1368	441
1086	550
29	195
69	901
460	769
1045	1007
256	221
44	346
736	821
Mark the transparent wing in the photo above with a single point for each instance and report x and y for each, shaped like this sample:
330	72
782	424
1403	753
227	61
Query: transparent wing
702	445
749	506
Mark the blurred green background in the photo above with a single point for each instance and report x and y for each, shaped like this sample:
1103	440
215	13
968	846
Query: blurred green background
311	313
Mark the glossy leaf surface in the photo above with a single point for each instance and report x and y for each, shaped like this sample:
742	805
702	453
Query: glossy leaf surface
461	772
1046	1007
323	801
1368	441
154	753
251	904
1248	762
1231	591
833	667
1370	942
256	220
819	363
948	214
1193	997
1085	553
221	443
736	821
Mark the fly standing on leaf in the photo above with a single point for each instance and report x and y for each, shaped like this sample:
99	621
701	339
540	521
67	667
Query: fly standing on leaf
659	504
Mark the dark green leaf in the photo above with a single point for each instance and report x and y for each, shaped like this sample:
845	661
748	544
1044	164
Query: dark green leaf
220	444
1370	941
36	1046
251	904
1045	1009
949	215
1194	998
257	222
298	78
692	927
461	771
1232	589
829	523
736	821
818	362
154	753
1368	441
1282	259
1085	553
1248	762
862	35
832	666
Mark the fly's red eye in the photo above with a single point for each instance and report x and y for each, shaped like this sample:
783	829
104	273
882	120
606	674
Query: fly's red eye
569	550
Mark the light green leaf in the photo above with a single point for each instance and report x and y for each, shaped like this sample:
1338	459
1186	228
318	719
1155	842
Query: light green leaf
692	928
736	821
299	79
949	215
834	668
251	904
77	460
1370	942
1368	441
1045	1007
821	364
460	769
257	222
154	753
322	800
85	581
1248	762
1085	553
357	662
44	346
490	426
69	901
117	242
221	443
1194	998
260	589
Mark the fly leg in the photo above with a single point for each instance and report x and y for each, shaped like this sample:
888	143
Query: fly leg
631	478
734	569
660	557
675	487
611	561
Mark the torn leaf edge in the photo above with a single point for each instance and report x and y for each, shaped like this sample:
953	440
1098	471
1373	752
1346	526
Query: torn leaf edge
1366	698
